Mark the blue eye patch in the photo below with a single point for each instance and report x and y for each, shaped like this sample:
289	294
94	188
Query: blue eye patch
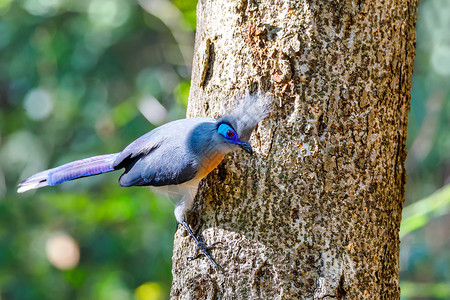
227	132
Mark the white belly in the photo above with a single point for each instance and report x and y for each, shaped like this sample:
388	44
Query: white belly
184	193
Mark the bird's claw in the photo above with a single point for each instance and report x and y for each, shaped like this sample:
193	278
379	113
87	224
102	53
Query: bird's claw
201	246
199	250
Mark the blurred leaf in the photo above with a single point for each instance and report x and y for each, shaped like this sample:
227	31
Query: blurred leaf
418	214
182	92
71	76
188	10
149	291
415	290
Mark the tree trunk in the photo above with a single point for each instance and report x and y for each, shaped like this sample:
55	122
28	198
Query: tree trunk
315	213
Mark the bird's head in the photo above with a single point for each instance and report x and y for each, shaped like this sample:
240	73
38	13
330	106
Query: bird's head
233	130
231	138
236	126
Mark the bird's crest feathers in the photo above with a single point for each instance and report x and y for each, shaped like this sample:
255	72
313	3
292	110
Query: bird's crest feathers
248	111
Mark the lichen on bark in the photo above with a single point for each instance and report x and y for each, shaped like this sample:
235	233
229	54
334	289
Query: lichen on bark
315	213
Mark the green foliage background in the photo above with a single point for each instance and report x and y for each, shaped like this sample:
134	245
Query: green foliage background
74	76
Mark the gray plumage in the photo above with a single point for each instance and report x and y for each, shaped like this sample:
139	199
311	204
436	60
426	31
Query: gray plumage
167	155
173	157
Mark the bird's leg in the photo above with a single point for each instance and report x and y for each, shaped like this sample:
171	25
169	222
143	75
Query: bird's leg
207	247
201	246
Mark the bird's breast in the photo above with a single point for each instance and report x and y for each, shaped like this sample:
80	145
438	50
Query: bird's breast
209	164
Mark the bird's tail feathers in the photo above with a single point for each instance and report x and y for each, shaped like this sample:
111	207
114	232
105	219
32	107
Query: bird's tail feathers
73	170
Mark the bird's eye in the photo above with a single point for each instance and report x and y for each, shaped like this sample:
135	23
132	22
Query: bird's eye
226	131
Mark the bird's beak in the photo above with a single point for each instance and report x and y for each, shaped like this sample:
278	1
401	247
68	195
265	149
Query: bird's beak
246	146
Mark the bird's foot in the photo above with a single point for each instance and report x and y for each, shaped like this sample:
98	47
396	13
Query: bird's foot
202	247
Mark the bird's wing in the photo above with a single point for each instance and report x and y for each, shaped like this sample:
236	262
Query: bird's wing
140	147
161	157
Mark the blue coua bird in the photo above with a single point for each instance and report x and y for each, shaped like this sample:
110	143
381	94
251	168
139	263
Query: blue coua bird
173	157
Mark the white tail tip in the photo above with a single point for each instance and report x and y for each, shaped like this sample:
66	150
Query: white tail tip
27	187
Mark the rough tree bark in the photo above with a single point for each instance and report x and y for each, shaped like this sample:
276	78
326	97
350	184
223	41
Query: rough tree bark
315	213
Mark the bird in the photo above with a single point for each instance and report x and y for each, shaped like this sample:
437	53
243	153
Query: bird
172	158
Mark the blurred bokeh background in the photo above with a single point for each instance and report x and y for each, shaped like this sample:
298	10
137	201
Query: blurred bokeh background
86	77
